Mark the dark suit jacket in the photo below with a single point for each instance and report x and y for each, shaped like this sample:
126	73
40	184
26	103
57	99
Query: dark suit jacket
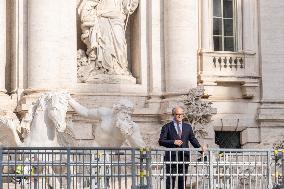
169	135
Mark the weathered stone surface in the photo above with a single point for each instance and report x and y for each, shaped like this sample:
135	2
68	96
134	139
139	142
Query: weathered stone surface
170	50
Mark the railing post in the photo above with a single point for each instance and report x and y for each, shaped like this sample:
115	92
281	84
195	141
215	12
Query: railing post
141	171
282	164
68	168
211	171
1	167
133	169
269	176
144	170
148	168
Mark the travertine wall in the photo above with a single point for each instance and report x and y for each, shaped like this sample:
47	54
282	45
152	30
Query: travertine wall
171	52
271	112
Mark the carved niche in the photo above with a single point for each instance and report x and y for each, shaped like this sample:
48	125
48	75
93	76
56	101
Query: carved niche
105	58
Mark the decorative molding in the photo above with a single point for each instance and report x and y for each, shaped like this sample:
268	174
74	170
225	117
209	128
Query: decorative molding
228	62
249	90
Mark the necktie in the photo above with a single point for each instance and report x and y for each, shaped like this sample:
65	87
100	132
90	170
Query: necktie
179	130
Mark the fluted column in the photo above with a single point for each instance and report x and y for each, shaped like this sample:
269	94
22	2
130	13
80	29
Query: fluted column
2	45
51	44
181	44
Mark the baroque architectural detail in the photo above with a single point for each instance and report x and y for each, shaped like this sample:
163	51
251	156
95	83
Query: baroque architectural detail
198	112
103	25
116	125
228	62
45	116
279	144
38	53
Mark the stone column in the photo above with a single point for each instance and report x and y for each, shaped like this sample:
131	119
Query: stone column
155	40
51	44
2	45
249	26
206	32
181	44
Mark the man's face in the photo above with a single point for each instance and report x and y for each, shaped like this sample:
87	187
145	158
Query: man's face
178	115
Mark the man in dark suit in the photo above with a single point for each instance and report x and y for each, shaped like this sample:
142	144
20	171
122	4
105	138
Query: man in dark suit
177	134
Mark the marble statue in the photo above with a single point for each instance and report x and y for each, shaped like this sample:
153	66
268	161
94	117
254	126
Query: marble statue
103	24
116	125
198	112
44	119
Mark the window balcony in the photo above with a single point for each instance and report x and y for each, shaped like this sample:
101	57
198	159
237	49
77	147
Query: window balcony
217	67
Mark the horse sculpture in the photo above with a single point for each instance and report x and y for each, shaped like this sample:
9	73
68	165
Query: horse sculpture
42	124
44	118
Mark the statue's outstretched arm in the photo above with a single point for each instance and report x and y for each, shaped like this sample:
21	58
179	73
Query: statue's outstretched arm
82	110
135	139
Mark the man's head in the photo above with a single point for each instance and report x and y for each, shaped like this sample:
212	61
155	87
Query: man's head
178	114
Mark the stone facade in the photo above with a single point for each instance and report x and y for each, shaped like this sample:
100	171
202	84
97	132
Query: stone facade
169	51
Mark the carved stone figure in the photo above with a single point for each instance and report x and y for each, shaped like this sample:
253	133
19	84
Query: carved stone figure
103	24
116	125
45	117
198	112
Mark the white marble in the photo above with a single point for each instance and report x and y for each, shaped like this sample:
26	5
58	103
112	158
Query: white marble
116	125
103	25
42	122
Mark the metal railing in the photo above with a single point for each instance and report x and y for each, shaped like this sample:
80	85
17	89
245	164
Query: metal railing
118	168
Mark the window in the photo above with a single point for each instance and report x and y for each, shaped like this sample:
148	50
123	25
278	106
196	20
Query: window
228	139
224	25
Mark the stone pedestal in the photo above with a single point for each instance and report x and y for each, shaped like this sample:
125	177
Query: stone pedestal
52	44
2	45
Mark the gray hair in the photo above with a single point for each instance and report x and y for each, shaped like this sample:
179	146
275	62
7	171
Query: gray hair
174	109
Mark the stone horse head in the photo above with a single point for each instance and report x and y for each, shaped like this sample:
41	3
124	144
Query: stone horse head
45	118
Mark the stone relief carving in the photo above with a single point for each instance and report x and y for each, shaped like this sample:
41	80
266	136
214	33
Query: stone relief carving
198	112
279	144
44	117
103	24
116	126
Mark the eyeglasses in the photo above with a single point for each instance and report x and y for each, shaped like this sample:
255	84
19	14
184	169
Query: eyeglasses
179	114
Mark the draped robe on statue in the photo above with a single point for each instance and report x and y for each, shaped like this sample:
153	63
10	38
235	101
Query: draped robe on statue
103	25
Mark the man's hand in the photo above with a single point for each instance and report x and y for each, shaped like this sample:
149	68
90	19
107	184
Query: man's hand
204	148
178	142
